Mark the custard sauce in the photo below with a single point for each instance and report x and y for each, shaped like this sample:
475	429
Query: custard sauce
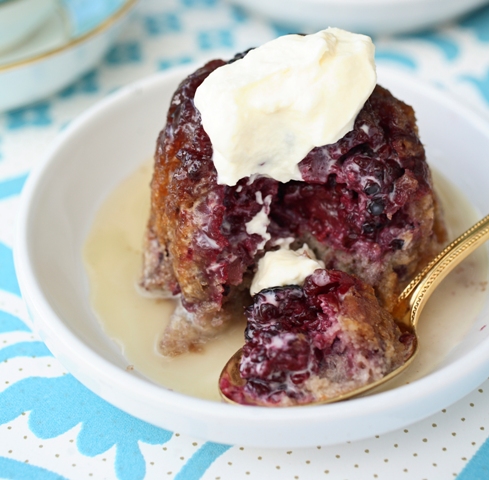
113	255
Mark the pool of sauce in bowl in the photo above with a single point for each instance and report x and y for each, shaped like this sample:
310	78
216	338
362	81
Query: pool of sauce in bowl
113	253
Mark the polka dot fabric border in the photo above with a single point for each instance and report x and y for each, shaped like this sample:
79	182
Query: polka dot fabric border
51	427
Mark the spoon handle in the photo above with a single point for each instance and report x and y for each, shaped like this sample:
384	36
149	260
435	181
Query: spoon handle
423	285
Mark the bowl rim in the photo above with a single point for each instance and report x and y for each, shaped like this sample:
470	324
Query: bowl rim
475	361
101	27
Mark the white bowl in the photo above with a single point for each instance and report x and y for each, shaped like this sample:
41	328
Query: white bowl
51	59
373	17
110	141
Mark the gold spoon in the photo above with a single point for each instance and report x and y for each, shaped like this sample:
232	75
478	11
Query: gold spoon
412	300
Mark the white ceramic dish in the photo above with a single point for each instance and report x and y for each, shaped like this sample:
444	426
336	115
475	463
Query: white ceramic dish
106	144
51	58
373	17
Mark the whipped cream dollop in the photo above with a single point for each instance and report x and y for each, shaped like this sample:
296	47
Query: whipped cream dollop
284	267
265	112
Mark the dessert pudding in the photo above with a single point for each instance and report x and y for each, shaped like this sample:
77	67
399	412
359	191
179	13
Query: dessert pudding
363	200
315	342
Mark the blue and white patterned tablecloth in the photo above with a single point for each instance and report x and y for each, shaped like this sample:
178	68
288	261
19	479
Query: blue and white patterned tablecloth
53	427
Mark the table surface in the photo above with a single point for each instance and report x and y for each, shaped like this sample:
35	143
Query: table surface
53	427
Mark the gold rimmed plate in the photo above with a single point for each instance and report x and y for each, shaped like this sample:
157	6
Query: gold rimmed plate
54	56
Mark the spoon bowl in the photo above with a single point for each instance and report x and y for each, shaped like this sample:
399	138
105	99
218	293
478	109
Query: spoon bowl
407	312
